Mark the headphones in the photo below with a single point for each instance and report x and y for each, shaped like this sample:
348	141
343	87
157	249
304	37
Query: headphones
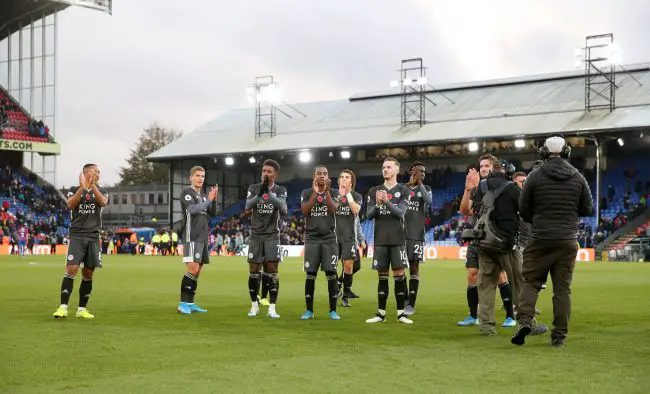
508	168
565	153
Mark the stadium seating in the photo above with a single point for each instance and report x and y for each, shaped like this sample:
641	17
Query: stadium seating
16	124
623	177
39	207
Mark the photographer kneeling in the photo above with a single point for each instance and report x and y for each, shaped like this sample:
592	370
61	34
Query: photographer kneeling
496	232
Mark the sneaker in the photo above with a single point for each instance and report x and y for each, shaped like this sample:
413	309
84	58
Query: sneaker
273	314
378	318
196	308
254	311
264	302
84	314
345	303
61	313
308	315
468	321
519	338
184	309
409	310
402	318
334	316
509	323
557	342
352	295
539	329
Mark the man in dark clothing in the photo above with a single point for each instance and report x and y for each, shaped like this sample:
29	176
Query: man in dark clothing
553	199
505	219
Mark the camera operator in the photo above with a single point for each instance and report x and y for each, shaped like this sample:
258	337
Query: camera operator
553	199
471	205
496	231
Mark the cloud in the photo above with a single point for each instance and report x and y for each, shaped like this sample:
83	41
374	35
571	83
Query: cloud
182	65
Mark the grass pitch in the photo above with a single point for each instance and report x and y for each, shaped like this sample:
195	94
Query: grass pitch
137	342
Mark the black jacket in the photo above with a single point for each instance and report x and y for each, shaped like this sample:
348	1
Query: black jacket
506	206
553	199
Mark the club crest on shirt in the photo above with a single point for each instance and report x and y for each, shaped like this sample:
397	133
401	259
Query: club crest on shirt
397	194
344	200
390	196
412	194
319	199
265	196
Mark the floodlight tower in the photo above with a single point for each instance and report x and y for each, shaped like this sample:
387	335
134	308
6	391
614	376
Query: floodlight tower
262	93
265	93
601	57
412	83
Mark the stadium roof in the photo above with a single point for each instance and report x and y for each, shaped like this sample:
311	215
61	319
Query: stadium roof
508	108
16	13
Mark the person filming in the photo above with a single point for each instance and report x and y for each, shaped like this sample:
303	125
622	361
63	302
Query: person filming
552	201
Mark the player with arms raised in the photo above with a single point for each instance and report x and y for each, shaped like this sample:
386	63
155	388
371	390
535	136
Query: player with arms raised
197	209
387	204
319	204
85	203
418	209
346	234
266	201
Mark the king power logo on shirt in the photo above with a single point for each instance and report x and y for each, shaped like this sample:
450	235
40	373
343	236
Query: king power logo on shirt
319	210
87	208
264	208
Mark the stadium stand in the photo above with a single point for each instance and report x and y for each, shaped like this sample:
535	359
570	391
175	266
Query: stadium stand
25	202
626	196
16	124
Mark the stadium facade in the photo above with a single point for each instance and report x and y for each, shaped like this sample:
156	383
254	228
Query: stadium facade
28	50
368	126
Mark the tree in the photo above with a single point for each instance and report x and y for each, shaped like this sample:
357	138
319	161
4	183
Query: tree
138	170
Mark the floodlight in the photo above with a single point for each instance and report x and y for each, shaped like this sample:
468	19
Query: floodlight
394	84
614	54
473	146
422	81
620	142
580	58
345	154
230	161
271	94
408	82
304	157
251	160
520	143
250	95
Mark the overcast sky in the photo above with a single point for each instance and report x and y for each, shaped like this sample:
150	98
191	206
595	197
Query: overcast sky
182	63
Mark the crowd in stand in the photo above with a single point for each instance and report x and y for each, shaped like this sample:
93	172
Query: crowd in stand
234	232
447	223
46	213
38	129
6	106
42	215
34	128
